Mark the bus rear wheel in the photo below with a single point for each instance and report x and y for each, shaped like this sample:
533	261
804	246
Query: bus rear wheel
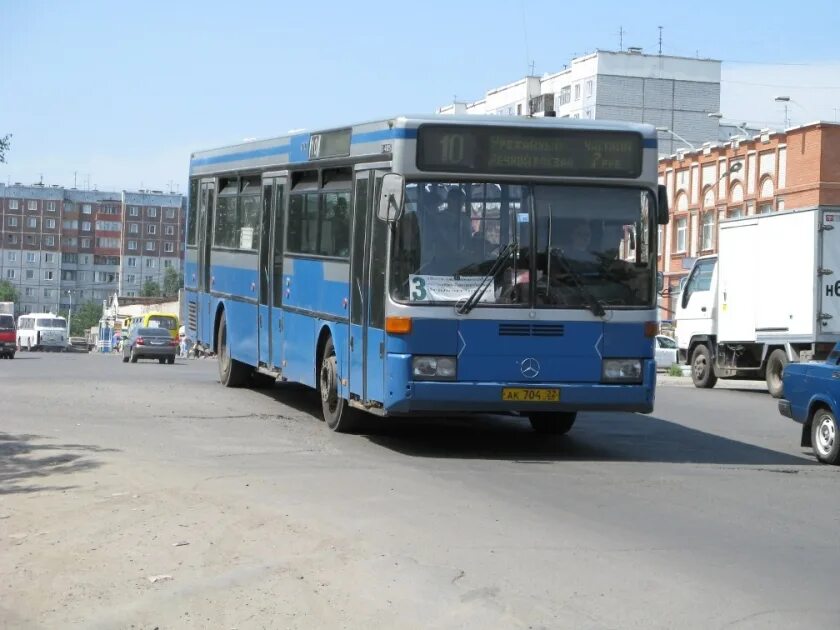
337	413
551	423
232	373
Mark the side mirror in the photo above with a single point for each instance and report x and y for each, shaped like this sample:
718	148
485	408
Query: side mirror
662	214
660	282
390	205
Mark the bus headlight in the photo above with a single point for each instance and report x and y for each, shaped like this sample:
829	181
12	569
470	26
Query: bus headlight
433	368
621	371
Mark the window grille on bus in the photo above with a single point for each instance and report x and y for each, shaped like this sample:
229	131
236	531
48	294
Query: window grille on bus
192	315
531	330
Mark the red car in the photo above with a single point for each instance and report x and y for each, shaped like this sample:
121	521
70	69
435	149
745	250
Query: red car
7	336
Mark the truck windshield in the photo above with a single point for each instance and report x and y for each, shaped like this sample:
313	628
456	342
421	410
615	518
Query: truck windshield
571	245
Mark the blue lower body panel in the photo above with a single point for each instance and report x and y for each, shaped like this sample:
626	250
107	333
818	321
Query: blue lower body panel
406	397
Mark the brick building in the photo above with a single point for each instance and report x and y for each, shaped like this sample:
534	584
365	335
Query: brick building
790	170
56	243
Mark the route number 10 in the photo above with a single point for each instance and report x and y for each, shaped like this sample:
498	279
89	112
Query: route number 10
452	149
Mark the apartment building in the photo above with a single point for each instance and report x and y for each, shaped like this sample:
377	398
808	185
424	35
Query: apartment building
59	245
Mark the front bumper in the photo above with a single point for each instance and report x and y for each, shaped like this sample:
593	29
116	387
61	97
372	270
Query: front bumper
486	397
784	408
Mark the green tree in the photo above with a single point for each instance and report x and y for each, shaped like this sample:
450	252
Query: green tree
150	289
172	281
8	293
5	143
84	317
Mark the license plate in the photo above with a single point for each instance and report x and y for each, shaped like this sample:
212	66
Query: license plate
530	394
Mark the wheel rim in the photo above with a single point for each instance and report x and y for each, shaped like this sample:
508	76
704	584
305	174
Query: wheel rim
776	373
700	366
826	435
225	355
329	392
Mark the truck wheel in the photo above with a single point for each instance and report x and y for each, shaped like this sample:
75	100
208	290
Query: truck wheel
337	413
825	437
232	373
775	367
702	371
552	423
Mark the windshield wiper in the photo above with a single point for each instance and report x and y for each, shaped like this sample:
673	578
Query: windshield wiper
595	305
467	305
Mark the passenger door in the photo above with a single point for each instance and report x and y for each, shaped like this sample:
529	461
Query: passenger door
368	259
269	317
695	314
206	199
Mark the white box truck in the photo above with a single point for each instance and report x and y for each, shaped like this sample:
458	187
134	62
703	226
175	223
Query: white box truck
769	297
7	308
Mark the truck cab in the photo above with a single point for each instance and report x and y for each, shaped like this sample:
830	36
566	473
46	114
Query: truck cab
8	343
695	315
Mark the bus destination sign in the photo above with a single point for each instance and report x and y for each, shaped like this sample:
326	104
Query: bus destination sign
524	151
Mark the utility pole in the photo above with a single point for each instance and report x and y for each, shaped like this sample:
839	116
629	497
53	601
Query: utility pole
660	40
69	314
621	39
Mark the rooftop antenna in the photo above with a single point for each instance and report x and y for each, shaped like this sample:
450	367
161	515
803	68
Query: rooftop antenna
621	39
660	40
532	68
525	32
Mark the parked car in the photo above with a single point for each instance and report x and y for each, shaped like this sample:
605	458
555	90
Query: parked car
811	397
666	352
149	343
8	344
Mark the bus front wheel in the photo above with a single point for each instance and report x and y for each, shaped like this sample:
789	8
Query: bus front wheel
337	413
232	373
549	423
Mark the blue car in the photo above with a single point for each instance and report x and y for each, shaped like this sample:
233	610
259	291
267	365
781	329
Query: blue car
812	398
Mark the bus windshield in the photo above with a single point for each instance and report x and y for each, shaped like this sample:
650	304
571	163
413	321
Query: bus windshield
44	322
561	246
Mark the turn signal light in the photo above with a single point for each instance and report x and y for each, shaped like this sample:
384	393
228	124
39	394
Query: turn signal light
398	325
651	329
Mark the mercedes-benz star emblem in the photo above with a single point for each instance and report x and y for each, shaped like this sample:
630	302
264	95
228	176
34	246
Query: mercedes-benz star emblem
530	367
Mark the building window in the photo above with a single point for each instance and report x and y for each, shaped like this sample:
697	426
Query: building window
708	231
12	256
150	263
150	246
86	208
132	245
48	293
169	213
32	222
589	88
766	189
30	274
735	213
49	240
48	275
130	278
12	222
151	212
85	242
85	226
50	224
70	258
131	261
49	258
169	230
780	205
169	247
765	208
11	274
51	206
30	257
167	264
577	91
30	240
12	238
133	211
682	233
71	225
134	228
32	205
85	259
565	96
152	229
29	291
108	243
13	204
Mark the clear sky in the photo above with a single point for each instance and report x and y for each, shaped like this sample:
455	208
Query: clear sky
121	92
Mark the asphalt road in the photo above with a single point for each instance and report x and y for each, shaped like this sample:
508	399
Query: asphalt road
149	496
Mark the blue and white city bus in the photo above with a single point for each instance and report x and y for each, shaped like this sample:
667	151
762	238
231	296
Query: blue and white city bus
434	264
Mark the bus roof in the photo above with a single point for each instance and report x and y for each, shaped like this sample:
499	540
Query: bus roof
373	138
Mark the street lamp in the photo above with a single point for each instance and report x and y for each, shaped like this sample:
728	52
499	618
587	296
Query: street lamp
785	100
677	136
69	313
742	127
